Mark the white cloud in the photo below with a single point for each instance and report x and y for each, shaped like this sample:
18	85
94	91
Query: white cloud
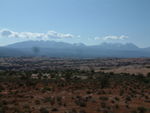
122	37
34	36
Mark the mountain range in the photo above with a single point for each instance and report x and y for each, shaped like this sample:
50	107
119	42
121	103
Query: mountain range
77	50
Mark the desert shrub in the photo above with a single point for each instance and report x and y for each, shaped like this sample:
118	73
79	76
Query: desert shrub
103	98
117	99
148	74
27	108
47	99
30	82
103	105
134	111
45	89
116	106
142	78
37	102
128	98
1	88
59	100
88	92
127	106
104	82
2	110
146	97
16	110
4	102
110	92
121	92
82	111
80	102
105	111
141	109
54	109
112	101
1	95
71	111
43	110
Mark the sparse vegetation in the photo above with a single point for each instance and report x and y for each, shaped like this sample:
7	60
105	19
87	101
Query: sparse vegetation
73	91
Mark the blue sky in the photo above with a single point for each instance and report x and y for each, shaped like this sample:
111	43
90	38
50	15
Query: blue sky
86	21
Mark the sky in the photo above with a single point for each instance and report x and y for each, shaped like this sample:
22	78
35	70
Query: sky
90	22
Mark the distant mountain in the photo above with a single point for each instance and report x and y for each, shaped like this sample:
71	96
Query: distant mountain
40	44
119	46
78	50
6	52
